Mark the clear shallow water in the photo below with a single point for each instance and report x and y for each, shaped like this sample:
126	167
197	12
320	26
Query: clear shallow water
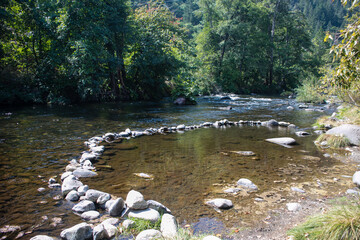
188	168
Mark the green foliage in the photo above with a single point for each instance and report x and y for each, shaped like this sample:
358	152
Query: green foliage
345	77
310	92
341	222
141	225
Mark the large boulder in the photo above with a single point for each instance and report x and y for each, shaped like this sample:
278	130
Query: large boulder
168	226
135	200
149	235
147	214
80	231
284	141
70	183
352	132
220	203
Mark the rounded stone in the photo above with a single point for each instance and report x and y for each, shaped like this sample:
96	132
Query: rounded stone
72	196
79	231
246	183
220	203
147	214
84	206
135	200
169	226
293	207
149	234
90	215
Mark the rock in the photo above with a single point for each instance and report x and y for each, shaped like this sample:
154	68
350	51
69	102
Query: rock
220	203
52	180
302	133
88	156
108	204
211	238
353	192
98	149
99	233
168	226
258	199
356	178
90	215
111	221
135	200
284	141
103	198
246	183
84	206
244	153
128	224
80	172
144	175
232	190
147	214
77	232
41	189
87	165
70	183
54	185
72	196
284	124
272	123
41	237
124	134
290	108
111	230
148	235
303	106
299	190
180	101
65	175
293	207
180	127
207	124
319	132
82	190
116	207
93	195
158	206
351	132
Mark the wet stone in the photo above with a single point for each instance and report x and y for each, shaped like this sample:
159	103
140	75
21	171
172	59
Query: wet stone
84	206
220	203
90	215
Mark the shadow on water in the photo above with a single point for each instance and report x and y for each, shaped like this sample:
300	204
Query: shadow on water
188	168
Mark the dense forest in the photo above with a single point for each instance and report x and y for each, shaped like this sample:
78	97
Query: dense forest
106	50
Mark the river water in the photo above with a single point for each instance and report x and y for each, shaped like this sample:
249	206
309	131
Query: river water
37	143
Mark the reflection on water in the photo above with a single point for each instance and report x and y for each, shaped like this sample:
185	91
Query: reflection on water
188	168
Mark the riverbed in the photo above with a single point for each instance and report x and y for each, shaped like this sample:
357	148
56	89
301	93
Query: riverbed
37	142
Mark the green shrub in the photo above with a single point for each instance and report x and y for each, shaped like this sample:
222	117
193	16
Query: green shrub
334	141
309	92
342	222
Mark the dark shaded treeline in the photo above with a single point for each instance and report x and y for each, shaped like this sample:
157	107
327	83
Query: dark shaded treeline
104	50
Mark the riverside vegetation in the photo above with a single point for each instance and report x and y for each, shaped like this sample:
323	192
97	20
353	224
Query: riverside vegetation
72	51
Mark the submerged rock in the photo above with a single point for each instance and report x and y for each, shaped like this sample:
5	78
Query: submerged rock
299	190
244	153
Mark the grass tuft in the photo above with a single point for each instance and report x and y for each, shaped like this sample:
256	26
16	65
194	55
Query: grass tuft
342	222
334	141
141	225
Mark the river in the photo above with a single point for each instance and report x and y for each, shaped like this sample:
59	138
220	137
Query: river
38	141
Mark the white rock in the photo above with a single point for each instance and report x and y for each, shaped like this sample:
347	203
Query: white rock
84	206
168	227
220	203
41	237
93	195
293	207
211	238
111	230
82	190
356	178
80	172
232	190
282	141
353	192
135	200
65	175
180	127
70	183
88	156
147	214
149	235
103	198
77	232
72	196
295	189
90	215
128	223
246	183
112	221
158	206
